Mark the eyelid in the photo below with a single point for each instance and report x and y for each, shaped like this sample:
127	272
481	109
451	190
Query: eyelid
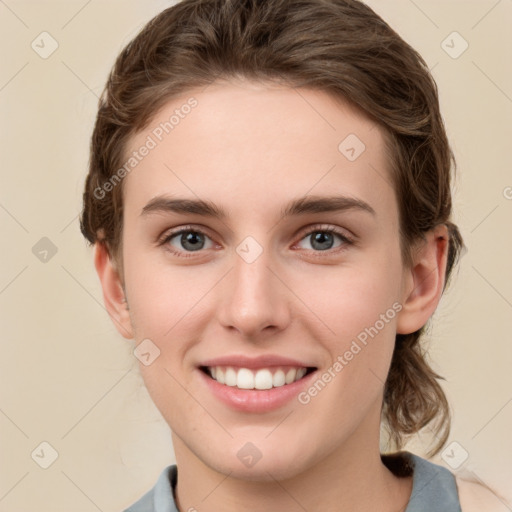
169	233
343	233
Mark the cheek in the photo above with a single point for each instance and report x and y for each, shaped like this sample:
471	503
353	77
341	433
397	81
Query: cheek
360	356
350	298
159	296
360	310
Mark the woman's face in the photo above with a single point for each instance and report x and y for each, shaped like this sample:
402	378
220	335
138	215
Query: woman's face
294	286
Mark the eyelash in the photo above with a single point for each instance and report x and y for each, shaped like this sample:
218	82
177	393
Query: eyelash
165	239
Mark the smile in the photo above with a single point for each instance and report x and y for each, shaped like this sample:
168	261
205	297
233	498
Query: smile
260	379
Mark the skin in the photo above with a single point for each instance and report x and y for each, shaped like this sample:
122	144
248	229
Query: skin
250	148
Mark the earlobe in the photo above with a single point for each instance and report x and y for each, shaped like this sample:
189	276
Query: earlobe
113	293
425	281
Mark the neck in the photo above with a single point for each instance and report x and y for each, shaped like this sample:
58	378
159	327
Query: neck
350	478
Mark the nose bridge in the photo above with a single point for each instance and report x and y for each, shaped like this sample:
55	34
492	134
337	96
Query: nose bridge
254	299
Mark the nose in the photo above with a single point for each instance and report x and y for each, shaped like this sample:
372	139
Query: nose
254	301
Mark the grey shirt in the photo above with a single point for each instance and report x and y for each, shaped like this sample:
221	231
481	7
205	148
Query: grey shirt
433	490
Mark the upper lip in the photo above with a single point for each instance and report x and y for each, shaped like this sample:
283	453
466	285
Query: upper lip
263	361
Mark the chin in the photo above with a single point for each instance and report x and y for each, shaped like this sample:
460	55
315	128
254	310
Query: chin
269	470
258	462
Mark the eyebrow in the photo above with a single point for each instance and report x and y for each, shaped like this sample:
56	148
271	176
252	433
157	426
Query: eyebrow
299	206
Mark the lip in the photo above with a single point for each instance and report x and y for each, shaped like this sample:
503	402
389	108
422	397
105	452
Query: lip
252	363
255	400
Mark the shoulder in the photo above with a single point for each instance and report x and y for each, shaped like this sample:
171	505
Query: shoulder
474	497
161	497
442	489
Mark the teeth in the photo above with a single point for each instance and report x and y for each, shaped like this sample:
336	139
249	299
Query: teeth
230	377
290	375
278	379
244	378
219	376
263	379
300	373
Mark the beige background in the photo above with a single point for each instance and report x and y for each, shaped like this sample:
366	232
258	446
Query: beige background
70	380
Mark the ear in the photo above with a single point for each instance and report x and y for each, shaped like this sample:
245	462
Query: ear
113	293
424	281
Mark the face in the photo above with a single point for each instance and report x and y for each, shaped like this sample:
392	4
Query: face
261	259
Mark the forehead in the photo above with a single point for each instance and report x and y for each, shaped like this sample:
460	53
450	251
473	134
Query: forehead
251	146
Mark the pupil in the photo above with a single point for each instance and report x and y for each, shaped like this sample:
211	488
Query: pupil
191	238
323	239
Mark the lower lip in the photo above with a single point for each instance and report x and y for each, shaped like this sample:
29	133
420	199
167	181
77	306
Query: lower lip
256	400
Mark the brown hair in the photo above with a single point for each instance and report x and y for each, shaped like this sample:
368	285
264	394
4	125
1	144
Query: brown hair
339	46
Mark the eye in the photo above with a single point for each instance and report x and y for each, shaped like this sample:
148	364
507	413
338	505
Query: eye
187	240
323	239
